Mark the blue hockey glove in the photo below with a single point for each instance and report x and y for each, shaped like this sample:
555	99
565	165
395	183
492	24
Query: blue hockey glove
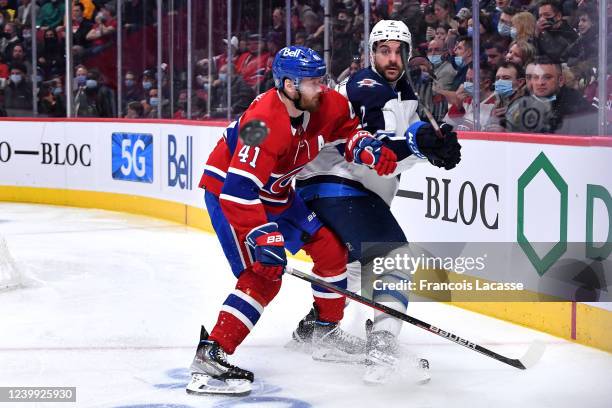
423	142
366	150
268	246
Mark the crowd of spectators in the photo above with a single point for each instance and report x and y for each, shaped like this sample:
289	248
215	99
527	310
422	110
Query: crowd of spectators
538	60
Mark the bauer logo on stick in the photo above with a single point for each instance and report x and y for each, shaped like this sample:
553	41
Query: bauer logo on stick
254	132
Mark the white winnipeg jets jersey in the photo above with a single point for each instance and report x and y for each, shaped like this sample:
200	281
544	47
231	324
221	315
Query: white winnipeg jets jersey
386	113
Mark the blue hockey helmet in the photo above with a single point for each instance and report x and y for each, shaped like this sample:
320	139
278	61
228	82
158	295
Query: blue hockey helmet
295	63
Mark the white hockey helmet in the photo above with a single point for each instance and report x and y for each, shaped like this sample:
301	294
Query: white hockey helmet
386	30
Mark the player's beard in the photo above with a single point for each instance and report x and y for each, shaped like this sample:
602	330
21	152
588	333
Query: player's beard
391	76
308	104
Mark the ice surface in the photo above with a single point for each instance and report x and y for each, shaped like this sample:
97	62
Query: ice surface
114	303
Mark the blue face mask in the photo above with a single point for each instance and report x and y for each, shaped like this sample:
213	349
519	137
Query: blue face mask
435	59
470	31
504	29
129	83
147	85
503	87
469	87
154	101
15	78
91	83
425	76
458	61
81	80
550	98
57	91
223	77
513	33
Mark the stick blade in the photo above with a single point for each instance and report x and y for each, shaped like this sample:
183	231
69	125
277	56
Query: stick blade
533	354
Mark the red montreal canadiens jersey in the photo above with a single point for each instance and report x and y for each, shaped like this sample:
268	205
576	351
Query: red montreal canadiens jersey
253	180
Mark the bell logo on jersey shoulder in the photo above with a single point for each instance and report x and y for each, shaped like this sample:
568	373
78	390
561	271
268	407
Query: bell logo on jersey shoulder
369	82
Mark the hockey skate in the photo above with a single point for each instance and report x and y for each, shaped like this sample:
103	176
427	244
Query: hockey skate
212	374
331	343
301	338
383	359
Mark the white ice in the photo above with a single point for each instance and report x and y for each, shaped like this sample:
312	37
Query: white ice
114	302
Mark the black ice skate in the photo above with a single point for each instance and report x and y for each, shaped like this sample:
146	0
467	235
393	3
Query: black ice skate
301	338
383	358
212	374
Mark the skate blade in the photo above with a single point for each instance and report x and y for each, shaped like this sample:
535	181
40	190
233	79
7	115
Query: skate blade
337	356
299	346
202	384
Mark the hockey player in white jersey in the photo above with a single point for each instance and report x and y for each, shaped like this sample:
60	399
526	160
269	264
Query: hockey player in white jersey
354	202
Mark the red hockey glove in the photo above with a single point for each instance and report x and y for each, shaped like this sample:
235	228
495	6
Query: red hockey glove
363	149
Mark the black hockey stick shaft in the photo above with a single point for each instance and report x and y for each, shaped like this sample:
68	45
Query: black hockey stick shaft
408	319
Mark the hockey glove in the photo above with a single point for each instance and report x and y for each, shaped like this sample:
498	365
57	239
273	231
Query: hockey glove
366	150
268	248
424	143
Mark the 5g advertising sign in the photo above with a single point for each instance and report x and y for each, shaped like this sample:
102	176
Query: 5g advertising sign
132	157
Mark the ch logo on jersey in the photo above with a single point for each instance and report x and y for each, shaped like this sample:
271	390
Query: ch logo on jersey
369	82
277	185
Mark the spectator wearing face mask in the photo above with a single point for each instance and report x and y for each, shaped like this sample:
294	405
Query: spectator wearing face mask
504	23
51	55
10	37
553	34
497	10
18	92
444	72
242	94
461	61
51	15
51	99
94	99
131	90
460	113
148	81
509	86
560	109
154	103
422	76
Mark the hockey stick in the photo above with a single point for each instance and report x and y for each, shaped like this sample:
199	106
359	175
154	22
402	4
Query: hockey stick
531	357
428	114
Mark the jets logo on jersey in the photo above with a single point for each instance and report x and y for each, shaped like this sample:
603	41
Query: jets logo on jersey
369	82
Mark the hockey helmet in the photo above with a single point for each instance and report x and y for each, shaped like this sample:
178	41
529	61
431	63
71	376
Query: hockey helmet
386	30
295	63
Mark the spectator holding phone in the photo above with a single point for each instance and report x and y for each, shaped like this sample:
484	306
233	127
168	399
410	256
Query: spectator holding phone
553	34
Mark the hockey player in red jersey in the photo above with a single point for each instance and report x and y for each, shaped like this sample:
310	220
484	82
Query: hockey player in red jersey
257	215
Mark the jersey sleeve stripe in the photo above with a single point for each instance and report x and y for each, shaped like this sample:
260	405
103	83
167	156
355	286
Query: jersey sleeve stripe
246	174
215	170
239	200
